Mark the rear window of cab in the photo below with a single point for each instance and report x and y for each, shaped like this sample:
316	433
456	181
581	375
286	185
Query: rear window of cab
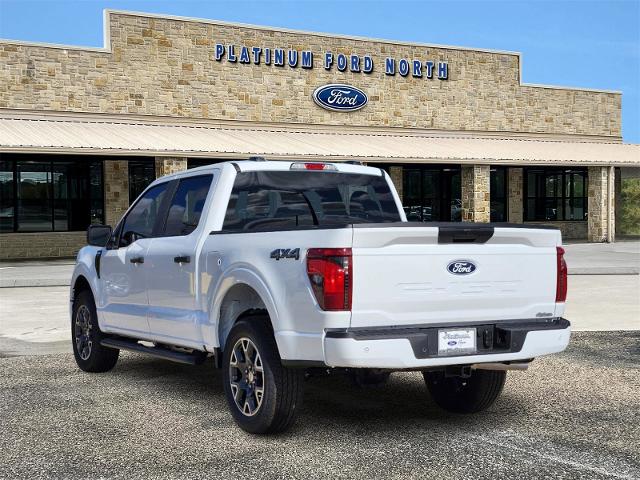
284	200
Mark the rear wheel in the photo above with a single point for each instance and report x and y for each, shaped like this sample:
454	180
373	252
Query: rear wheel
86	335
263	396
465	395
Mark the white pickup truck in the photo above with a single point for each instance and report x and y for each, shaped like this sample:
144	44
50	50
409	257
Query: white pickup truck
275	268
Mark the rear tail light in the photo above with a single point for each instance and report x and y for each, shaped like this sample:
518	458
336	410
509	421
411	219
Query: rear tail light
330	271
561	283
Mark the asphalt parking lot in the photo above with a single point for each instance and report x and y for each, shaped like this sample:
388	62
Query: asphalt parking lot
572	415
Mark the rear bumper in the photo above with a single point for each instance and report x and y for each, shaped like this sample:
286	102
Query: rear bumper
417	347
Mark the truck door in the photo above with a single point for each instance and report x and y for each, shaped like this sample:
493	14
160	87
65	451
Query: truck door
123	299
172	266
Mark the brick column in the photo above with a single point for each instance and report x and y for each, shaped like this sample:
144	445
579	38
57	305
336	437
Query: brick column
601	203
618	201
396	177
475	193
116	190
515	188
169	165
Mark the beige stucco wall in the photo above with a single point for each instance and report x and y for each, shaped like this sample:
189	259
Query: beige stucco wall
167	67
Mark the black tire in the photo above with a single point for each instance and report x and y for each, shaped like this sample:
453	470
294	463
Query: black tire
465	395
281	395
86	335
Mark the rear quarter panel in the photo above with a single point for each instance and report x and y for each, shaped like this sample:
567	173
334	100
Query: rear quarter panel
283	284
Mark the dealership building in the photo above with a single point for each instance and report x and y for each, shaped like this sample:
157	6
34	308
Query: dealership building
84	130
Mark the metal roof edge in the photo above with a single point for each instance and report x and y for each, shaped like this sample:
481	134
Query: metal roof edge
180	122
514	162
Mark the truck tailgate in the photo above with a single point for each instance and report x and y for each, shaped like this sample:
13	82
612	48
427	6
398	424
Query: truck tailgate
407	274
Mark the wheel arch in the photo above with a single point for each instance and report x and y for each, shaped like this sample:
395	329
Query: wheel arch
80	285
241	295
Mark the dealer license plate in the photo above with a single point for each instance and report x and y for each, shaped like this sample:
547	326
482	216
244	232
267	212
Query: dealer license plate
458	341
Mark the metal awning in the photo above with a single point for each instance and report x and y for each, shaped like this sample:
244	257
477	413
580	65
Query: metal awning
59	134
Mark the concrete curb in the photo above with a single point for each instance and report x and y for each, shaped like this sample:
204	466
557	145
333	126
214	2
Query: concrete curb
604	271
40	282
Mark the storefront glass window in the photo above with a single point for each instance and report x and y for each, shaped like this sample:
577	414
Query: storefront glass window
201	162
7	197
431	193
96	192
498	194
35	211
44	194
555	194
141	174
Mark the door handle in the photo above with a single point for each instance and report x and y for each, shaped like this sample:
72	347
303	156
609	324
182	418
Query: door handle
137	260
182	259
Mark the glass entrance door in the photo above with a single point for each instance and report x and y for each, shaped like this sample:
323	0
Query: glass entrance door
432	194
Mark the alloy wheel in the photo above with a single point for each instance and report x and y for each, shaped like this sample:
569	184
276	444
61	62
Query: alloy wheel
246	376
82	332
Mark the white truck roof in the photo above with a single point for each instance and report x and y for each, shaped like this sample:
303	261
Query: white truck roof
272	165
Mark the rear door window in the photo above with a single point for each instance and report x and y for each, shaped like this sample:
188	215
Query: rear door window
289	200
186	206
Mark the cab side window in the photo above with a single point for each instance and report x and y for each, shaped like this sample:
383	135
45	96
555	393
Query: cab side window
141	220
186	206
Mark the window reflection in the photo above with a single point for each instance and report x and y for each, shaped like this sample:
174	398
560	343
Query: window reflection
555	194
34	197
7	201
141	174
432	194
498	194
52	194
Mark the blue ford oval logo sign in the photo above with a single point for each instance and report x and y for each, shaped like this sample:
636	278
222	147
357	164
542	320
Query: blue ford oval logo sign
340	98
461	267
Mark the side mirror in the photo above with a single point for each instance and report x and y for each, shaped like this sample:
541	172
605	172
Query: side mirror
98	235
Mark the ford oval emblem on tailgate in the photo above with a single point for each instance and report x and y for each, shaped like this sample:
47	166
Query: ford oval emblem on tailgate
340	98
461	267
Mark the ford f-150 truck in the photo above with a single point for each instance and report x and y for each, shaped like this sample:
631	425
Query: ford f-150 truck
278	268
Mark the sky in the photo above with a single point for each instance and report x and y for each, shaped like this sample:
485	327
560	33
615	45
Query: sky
577	43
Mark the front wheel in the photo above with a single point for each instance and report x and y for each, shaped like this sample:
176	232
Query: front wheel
85	332
263	395
465	395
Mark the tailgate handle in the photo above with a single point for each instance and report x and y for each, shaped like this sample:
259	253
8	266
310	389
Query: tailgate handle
464	234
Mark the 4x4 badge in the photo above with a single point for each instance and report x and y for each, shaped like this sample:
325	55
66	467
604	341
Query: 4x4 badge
279	253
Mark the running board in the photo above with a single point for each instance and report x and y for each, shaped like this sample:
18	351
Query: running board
165	353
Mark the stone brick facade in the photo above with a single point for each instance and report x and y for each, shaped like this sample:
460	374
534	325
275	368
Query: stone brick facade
601	204
396	177
18	246
167	67
116	190
570	230
515	193
169	165
475	193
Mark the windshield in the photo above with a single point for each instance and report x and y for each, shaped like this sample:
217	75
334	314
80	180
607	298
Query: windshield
289	200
